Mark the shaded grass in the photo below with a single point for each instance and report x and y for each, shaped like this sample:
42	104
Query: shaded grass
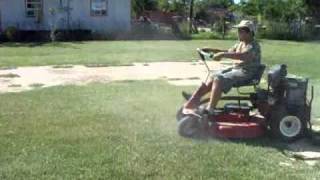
122	130
36	85
62	67
15	85
9	75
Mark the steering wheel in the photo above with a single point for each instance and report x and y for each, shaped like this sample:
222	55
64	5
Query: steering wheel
204	55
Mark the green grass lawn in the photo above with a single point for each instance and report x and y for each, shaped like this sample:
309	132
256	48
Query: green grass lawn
127	130
301	56
123	130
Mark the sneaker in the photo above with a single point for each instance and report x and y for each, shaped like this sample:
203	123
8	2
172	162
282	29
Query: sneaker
192	112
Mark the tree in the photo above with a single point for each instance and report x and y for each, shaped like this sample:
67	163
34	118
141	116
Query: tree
275	10
139	6
191	16
164	5
314	8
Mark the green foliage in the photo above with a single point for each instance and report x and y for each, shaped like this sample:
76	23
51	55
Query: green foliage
164	5
283	19
139	6
181	7
214	35
203	4
275	10
286	11
287	31
221	27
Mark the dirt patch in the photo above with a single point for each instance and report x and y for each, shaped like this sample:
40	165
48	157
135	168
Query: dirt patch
62	66
177	73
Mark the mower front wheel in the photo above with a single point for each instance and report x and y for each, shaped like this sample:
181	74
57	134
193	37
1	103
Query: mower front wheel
190	127
286	127
180	115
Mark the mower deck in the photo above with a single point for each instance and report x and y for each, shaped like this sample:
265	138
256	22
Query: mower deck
237	126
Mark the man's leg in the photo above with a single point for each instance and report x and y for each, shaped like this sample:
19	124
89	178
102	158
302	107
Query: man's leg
216	94
194	101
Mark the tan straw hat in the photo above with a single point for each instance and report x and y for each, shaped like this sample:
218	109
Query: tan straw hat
246	23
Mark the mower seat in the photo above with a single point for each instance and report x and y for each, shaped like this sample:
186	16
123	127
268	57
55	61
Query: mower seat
256	79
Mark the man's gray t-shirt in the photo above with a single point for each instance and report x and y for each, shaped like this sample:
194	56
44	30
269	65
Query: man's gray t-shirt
251	64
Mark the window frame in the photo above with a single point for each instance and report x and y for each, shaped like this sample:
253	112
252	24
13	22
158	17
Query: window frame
33	9
93	12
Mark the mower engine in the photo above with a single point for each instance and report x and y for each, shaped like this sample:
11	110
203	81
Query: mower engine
288	112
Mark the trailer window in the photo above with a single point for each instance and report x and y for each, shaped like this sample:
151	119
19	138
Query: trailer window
33	8
99	7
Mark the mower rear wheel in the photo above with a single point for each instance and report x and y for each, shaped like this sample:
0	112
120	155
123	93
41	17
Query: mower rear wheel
190	126
286	127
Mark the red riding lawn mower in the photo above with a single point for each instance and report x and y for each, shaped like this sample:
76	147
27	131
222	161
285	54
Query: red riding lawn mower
282	109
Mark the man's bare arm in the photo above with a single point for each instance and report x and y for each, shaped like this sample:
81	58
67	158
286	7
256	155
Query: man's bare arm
245	56
213	50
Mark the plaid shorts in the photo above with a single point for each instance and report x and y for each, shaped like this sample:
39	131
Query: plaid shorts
231	77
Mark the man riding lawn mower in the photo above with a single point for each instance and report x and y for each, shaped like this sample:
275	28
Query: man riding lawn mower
283	108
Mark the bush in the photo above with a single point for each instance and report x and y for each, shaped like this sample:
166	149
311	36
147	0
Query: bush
286	31
232	35
2	37
205	35
12	34
72	35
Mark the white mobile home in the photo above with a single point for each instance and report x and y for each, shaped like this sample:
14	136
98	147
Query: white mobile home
42	15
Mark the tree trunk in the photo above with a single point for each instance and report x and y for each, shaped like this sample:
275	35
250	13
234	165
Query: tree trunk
191	16
223	28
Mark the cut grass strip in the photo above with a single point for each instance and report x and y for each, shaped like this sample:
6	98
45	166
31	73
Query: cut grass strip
123	131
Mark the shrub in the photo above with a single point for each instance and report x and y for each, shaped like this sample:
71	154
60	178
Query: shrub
2	37
72	35
12	34
222	27
232	35
286	31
